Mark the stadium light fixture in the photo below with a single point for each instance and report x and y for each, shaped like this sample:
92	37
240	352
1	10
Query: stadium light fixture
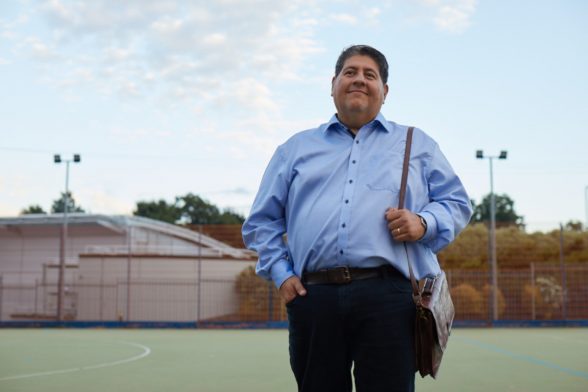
492	242
63	243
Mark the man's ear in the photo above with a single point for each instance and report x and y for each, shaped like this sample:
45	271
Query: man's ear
333	84
385	91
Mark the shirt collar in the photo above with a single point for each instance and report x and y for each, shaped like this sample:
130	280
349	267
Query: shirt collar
378	122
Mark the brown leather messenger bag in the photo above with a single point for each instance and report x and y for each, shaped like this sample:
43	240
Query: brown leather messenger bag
434	308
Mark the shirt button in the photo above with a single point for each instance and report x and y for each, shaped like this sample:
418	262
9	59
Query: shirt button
347	201
353	161
343	225
351	181
357	142
341	251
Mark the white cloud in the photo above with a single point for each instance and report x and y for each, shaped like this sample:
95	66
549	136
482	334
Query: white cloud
116	54
251	94
372	13
344	18
97	201
129	89
41	51
132	135
305	22
452	15
167	26
181	52
8	24
214	39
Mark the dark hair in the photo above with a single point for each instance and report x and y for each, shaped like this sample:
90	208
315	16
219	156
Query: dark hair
364	50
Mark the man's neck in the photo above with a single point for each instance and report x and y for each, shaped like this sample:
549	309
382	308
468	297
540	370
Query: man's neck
353	125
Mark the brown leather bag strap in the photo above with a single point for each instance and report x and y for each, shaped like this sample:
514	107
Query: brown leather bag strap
405	168
415	286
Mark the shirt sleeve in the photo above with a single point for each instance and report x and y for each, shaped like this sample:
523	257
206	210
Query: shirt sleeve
265	227
449	209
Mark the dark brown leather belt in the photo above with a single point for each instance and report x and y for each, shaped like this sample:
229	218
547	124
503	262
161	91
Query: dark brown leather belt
343	275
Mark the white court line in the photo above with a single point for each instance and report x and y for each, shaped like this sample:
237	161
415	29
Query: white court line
146	351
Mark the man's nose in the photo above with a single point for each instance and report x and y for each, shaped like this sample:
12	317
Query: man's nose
359	78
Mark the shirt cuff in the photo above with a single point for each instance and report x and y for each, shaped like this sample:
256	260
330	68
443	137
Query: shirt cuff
431	226
281	270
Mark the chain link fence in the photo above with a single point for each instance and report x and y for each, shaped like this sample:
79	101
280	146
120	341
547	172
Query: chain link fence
539	292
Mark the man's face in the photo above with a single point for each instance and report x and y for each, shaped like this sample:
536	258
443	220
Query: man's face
358	91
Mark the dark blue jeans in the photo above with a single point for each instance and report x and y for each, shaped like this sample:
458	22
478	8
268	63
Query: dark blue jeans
367	324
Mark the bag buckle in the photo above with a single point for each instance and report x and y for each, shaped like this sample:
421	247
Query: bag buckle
428	286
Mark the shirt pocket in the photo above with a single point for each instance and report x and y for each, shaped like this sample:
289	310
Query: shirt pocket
383	173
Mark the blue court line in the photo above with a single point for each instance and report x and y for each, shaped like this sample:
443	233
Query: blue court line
524	358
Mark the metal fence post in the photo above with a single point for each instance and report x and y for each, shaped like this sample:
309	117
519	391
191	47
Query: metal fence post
533	314
270	302
562	266
129	270
101	309
198	310
36	296
1	287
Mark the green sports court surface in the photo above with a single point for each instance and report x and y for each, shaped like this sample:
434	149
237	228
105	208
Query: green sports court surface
134	360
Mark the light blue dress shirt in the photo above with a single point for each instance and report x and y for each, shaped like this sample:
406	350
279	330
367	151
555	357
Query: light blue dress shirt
329	192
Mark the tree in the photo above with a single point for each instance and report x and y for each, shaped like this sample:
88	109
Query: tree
195	210
574	225
159	210
505	212
58	205
229	217
33	209
187	209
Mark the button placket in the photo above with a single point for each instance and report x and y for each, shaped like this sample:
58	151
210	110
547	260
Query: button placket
344	219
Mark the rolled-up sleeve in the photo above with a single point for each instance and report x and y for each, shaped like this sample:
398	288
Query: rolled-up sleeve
449	209
265	227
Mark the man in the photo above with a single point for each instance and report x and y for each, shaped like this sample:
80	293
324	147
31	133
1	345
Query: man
343	272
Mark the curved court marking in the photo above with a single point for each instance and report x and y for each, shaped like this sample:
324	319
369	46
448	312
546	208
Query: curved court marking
146	352
524	358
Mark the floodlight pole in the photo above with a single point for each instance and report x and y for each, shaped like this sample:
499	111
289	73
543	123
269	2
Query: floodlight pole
493	244
492	234
63	242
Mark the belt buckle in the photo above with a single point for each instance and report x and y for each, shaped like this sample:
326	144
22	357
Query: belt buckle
341	275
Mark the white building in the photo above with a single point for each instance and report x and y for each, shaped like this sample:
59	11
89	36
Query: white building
117	268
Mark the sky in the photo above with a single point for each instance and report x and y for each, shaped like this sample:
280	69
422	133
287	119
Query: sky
164	97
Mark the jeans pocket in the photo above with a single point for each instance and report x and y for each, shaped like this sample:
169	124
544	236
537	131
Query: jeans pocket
293	301
401	285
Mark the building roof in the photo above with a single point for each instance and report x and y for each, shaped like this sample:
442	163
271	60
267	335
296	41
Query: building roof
121	224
